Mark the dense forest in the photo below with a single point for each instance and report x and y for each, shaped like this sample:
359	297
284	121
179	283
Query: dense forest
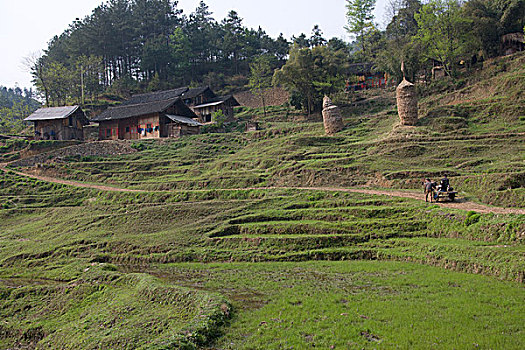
128	46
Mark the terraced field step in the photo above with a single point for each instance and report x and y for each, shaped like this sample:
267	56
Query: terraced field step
301	242
317	227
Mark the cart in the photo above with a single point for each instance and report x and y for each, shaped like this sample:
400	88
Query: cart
445	195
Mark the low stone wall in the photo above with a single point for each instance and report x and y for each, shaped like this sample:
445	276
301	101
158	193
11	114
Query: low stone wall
91	149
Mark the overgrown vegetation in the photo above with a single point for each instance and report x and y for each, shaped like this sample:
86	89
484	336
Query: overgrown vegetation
15	105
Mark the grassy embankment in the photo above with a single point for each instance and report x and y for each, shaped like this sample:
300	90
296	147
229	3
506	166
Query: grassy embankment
81	267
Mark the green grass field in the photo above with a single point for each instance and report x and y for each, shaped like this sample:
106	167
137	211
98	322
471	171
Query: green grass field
215	253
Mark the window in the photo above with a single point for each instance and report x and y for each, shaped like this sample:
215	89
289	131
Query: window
108	132
70	120
127	128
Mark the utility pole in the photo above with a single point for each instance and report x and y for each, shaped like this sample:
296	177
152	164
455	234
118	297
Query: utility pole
82	83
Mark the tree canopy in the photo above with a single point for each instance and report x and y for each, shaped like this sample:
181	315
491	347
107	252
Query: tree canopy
129	46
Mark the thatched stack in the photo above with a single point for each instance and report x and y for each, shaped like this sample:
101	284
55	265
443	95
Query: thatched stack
333	121
407	103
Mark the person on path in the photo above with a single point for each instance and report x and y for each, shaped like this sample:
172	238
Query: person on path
429	189
444	183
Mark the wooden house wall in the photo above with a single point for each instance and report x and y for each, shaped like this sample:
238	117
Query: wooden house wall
130	128
200	99
70	128
147	123
108	130
205	113
176	130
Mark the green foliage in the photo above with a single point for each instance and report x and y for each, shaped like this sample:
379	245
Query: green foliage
219	118
261	77
15	105
360	20
444	33
147	45
311	73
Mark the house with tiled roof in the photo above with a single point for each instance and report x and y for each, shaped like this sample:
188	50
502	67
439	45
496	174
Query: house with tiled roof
59	123
148	116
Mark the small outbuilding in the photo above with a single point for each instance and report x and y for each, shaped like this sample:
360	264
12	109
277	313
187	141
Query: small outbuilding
512	43
224	103
59	123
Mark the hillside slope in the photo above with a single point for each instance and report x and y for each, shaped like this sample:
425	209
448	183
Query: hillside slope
183	263
473	130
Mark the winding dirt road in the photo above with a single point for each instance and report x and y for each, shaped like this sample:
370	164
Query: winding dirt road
460	204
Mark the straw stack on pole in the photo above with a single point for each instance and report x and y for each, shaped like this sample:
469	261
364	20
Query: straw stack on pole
333	121
406	101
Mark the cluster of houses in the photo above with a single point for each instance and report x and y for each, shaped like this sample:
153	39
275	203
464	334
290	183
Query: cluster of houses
171	113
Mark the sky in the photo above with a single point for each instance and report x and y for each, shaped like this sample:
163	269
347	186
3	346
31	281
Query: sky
27	26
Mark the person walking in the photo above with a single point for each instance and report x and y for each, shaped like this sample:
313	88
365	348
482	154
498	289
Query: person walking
429	189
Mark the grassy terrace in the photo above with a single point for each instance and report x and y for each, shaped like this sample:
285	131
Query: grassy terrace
155	270
188	265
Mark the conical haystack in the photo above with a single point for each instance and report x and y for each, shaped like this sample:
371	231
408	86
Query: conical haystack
333	121
407	103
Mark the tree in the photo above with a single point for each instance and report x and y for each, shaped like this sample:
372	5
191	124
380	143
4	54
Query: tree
233	38
317	37
360	20
486	26
444	33
398	44
311	73
261	77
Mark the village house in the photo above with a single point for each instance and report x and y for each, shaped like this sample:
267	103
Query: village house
204	103
148	116
366	77
169	113
59	123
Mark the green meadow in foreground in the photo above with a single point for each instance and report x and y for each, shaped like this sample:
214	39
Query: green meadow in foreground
358	304
239	270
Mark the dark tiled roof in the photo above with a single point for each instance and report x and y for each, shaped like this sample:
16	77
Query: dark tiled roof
219	100
51	113
155	96
128	111
183	120
192	93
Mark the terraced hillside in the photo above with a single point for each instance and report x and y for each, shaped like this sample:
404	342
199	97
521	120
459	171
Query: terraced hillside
213	252
472	129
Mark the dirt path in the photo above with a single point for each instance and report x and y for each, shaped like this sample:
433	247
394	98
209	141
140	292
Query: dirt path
68	182
459	204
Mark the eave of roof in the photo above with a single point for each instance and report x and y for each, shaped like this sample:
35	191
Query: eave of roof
217	101
209	104
137	110
183	120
